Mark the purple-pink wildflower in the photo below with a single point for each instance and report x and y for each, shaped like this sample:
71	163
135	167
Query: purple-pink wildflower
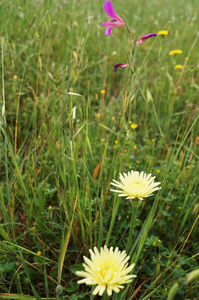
145	37
115	20
120	65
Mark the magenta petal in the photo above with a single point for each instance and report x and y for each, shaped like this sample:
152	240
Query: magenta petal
145	37
120	65
107	31
110	12
107	24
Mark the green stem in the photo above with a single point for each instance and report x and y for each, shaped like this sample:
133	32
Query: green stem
129	243
114	214
105	296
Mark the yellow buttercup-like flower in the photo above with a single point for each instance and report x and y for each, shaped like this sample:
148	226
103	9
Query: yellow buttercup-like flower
134	126
135	185
172	52
107	269
162	32
178	67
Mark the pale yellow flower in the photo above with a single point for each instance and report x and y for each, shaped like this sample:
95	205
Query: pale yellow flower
162	32
172	52
178	67
107	269
135	185
103	92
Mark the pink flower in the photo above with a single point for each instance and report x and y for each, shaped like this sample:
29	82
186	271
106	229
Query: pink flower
120	65
145	37
115	20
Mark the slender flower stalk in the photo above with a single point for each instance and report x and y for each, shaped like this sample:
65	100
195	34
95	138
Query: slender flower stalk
145	37
133	217
107	269
115	20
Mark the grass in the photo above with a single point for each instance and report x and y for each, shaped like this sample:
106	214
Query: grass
66	133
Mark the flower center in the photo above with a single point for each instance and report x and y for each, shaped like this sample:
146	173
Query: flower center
106	273
112	20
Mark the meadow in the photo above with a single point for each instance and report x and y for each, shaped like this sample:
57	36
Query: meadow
69	125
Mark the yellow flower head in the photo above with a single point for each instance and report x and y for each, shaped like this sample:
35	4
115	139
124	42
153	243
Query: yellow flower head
172	52
39	253
163	32
97	115
135	185
134	126
15	76
103	92
178	67
107	269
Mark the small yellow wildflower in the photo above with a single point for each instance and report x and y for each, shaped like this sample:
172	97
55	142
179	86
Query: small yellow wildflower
154	244
162	32
153	140
178	67
114	147
103	92
50	207
130	122
15	77
127	217
96	96
179	207
172	52
113	118
159	241
197	140
116	142
120	154
134	147
107	269
158	171
97	115
39	253
134	126
52	166
125	150
137	161
57	143
186	58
